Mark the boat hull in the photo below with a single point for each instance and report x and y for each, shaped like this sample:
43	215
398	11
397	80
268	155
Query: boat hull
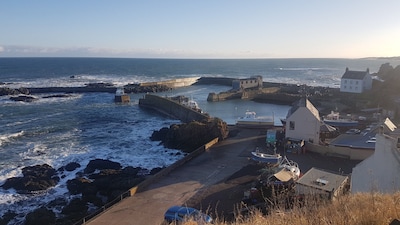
266	158
254	124
338	123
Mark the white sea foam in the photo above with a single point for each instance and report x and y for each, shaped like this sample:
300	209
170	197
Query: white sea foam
9	137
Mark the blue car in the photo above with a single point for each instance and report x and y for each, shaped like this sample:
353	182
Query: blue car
182	213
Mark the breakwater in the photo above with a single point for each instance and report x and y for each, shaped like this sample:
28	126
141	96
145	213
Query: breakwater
171	108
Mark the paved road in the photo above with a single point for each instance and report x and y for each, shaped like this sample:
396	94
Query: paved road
219	162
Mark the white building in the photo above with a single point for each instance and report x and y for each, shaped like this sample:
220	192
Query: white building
303	122
355	81
252	82
381	171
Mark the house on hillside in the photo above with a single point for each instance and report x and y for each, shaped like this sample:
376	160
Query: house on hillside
303	122
380	171
252	82
355	81
322	183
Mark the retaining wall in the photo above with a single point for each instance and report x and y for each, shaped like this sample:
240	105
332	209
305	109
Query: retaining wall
345	152
171	108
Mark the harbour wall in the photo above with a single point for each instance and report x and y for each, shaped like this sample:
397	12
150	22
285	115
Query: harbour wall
174	83
171	108
343	152
71	90
150	180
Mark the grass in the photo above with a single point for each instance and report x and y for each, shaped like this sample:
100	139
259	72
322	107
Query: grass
353	209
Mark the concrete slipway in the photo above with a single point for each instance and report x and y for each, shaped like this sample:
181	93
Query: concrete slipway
148	206
219	162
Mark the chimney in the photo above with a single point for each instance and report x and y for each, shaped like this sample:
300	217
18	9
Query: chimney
347	69
367	70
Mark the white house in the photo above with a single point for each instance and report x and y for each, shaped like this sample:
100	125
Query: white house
381	171
303	122
355	81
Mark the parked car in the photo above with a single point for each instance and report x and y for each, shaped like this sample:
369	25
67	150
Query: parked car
353	131
182	213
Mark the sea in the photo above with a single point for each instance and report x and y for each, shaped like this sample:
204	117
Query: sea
86	126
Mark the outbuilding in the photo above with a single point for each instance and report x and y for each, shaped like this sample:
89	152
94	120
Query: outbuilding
321	183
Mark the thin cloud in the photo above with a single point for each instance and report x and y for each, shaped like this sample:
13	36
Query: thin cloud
34	51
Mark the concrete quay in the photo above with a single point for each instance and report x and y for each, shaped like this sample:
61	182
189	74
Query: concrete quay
217	163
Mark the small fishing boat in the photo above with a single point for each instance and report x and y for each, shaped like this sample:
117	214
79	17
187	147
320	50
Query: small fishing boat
270	159
334	119
250	120
192	104
120	96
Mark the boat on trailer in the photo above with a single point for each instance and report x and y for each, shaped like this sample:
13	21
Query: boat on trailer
270	159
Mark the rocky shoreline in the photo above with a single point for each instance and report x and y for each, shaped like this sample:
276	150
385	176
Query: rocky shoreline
99	183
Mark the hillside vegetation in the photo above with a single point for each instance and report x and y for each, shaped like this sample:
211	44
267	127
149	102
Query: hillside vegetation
355	209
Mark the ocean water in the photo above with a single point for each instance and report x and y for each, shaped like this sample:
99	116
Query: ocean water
86	126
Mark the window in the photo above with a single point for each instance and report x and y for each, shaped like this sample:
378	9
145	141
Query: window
291	125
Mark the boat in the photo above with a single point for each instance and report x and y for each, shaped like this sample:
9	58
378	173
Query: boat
193	105
270	159
334	119
251	120
121	96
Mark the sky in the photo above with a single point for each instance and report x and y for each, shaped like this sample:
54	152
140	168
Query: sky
200	29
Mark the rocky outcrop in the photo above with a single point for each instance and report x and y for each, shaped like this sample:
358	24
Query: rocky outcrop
10	91
101	164
190	136
23	98
137	88
40	216
35	178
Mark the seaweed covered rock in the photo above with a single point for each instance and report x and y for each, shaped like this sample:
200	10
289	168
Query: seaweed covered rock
40	216
35	178
190	136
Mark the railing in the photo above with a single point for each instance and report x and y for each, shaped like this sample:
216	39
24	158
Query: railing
148	181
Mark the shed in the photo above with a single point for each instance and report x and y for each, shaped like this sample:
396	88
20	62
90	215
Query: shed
326	184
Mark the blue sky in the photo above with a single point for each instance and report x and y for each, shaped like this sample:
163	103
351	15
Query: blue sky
200	29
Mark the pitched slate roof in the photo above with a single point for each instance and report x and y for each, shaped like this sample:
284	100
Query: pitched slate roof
303	102
355	75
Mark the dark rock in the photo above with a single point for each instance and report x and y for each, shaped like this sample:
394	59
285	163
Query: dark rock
101	164
76	208
137	88
7	217
23	98
190	136
155	170
72	166
41	216
35	178
99	85
160	134
131	171
79	185
9	91
58	96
